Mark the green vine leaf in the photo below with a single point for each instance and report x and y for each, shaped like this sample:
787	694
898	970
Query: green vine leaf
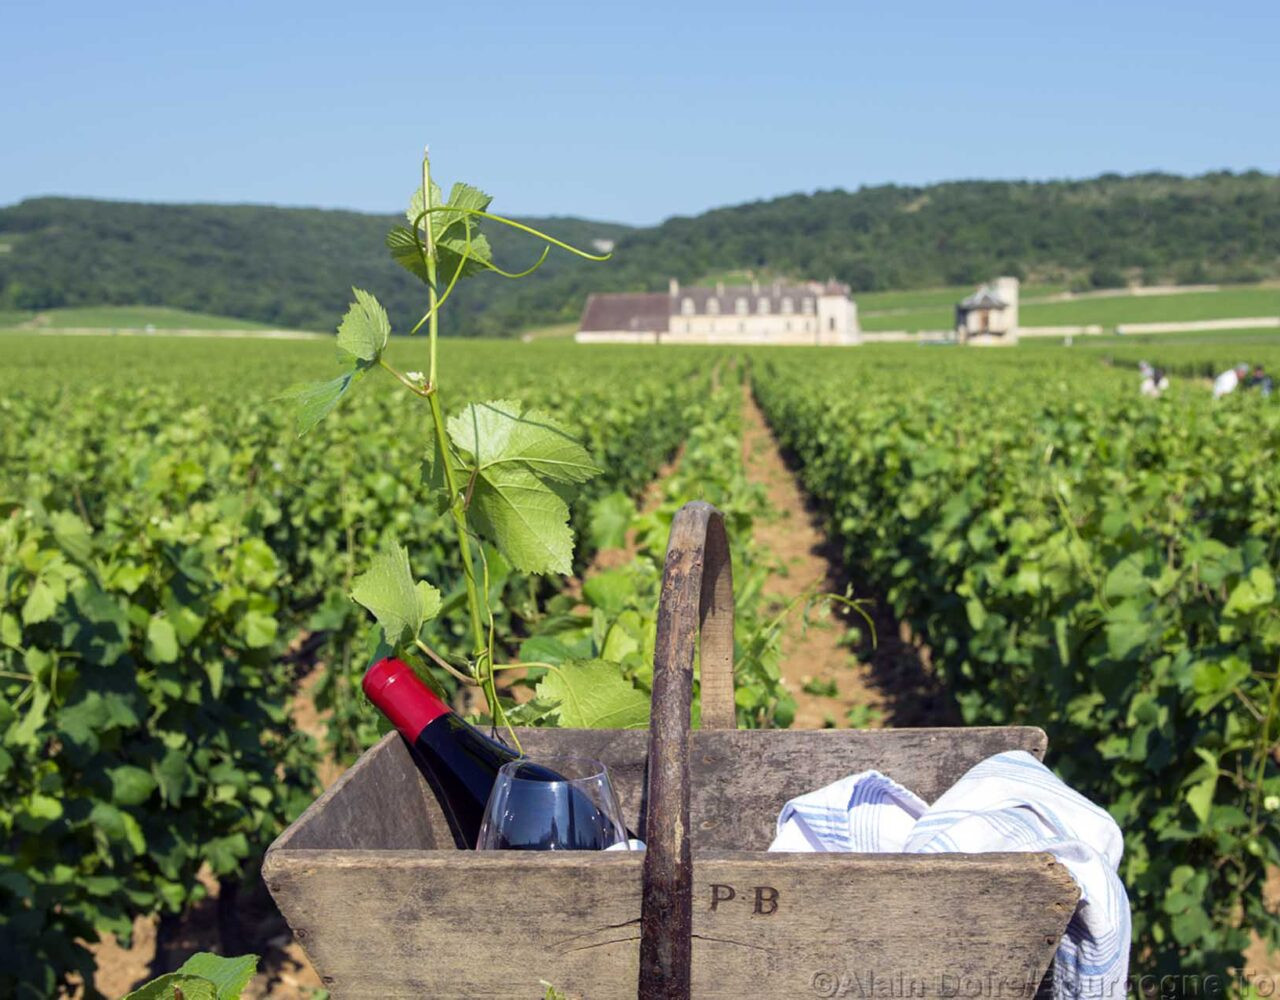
362	337
405	252
316	400
1201	785
130	786
229	975
162	641
451	229
167	987
73	535
611	516
525	518
414	212
388	589
502	432
450	250
364	330
450	226
463	198
593	694
203	976
518	465
1257	590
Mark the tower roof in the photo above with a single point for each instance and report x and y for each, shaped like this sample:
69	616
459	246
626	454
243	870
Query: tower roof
984	298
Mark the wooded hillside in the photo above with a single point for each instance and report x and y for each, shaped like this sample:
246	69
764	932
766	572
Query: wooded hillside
294	267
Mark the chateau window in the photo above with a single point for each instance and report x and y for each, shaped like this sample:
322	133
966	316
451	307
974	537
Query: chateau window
713	306
788	326
741	307
806	306
742	327
831	324
788	305
762	305
686	306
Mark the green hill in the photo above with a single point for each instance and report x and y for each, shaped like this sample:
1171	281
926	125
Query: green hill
283	267
293	267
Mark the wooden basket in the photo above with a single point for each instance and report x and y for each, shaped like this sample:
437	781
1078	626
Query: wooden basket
385	905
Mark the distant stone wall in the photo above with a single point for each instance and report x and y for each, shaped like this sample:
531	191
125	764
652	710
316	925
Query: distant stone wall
906	336
616	337
1088	330
760	338
810	337
1189	326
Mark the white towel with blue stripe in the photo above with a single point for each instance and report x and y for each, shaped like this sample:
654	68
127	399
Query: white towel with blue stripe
1009	802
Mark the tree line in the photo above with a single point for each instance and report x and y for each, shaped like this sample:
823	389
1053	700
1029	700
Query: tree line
293	267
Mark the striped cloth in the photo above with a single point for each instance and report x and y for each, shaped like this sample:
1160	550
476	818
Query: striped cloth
1009	802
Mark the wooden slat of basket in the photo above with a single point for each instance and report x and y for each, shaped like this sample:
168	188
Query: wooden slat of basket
443	924
738	780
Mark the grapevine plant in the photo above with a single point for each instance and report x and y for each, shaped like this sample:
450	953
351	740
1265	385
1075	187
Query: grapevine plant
1096	563
501	472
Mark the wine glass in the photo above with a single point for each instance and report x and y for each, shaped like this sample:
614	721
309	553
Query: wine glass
552	804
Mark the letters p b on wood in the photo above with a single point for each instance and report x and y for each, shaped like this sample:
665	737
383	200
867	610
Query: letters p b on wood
764	898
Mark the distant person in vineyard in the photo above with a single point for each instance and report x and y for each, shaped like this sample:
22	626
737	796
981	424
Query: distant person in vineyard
1229	380
1261	381
1154	380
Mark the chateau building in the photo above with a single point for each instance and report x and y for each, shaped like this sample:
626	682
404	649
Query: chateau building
775	313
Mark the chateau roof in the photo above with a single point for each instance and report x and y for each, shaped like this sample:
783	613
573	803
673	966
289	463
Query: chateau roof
639	311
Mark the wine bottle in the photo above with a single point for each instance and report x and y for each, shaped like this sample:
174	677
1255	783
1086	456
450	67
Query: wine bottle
461	764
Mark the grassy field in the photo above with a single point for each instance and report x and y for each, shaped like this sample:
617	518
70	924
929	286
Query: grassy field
557	331
934	309
920	299
1228	303
126	318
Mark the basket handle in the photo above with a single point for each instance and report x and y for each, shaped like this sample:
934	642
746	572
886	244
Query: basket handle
697	597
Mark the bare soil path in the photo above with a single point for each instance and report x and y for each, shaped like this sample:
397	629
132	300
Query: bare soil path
890	683
1264	965
813	656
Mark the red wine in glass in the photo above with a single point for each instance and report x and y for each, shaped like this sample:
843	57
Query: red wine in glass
576	810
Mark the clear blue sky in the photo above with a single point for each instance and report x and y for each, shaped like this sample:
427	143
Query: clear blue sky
622	111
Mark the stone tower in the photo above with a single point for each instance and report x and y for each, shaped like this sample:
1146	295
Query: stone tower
837	315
